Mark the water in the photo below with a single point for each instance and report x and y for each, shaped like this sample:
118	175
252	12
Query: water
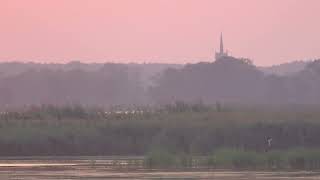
68	168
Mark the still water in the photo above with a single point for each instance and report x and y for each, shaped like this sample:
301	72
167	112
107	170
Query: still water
86	168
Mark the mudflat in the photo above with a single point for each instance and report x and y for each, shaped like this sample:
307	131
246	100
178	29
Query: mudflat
124	168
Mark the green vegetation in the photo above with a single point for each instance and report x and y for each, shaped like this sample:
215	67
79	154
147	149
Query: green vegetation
236	158
160	158
179	132
303	159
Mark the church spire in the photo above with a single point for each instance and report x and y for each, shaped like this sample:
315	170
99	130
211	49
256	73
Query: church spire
221	53
221	44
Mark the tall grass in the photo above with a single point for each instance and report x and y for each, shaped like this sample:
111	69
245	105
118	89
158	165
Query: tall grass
307	159
160	158
294	159
179	129
236	159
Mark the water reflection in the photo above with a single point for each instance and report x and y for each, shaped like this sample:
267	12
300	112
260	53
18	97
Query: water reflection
123	168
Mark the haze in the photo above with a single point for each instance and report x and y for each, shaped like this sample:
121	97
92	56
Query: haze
165	31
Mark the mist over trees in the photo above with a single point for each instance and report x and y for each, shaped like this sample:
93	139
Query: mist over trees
110	84
232	80
229	80
285	69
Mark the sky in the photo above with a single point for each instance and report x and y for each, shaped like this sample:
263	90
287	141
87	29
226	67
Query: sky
163	31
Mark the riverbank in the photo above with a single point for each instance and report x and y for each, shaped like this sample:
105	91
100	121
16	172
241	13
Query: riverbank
85	169
239	159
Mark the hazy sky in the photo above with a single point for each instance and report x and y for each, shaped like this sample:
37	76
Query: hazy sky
177	31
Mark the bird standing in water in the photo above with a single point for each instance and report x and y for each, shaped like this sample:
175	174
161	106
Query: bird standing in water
269	143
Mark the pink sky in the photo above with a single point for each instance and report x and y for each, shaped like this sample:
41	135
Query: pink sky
176	31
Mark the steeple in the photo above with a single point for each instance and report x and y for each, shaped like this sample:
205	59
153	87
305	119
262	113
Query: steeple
221	44
221	53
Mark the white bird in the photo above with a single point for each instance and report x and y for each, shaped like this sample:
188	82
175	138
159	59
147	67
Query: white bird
269	140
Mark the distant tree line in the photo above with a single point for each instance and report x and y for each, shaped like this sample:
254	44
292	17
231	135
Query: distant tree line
110	85
228	80
232	80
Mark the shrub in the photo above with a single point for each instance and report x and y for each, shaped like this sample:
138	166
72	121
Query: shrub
276	160
160	159
237	158
304	159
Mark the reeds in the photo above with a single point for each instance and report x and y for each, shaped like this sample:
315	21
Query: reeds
50	130
293	159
